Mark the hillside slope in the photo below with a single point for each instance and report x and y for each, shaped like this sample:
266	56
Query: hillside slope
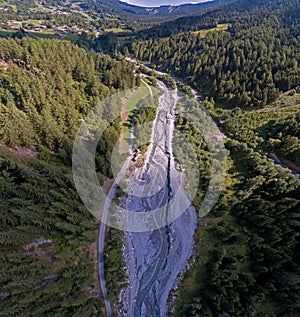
47	236
247	64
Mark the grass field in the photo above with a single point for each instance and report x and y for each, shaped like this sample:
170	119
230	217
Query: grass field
115	30
219	28
129	103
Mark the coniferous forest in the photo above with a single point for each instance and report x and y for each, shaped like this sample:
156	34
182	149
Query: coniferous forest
48	238
247	65
243	57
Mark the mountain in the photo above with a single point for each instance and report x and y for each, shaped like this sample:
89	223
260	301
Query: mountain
111	9
169	10
235	72
123	8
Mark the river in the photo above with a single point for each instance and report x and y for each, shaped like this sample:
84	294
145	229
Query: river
154	259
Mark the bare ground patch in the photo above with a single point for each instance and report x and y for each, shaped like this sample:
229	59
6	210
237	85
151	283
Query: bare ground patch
24	152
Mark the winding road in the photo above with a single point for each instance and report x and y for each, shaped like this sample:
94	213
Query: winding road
101	237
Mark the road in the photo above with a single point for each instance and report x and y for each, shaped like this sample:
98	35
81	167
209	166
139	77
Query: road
101	237
105	213
196	94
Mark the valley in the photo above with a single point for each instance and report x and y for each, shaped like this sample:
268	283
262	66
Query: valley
150	252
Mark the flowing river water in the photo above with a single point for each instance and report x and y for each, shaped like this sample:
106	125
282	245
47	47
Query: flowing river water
154	259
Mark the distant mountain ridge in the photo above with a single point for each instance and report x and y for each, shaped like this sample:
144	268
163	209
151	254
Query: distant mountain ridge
123	8
183	9
116	7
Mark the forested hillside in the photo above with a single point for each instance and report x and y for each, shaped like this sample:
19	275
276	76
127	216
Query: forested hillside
47	86
247	247
248	65
90	15
47	240
244	56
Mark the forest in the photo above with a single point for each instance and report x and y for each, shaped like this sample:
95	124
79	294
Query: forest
246	261
248	65
246	256
48	238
